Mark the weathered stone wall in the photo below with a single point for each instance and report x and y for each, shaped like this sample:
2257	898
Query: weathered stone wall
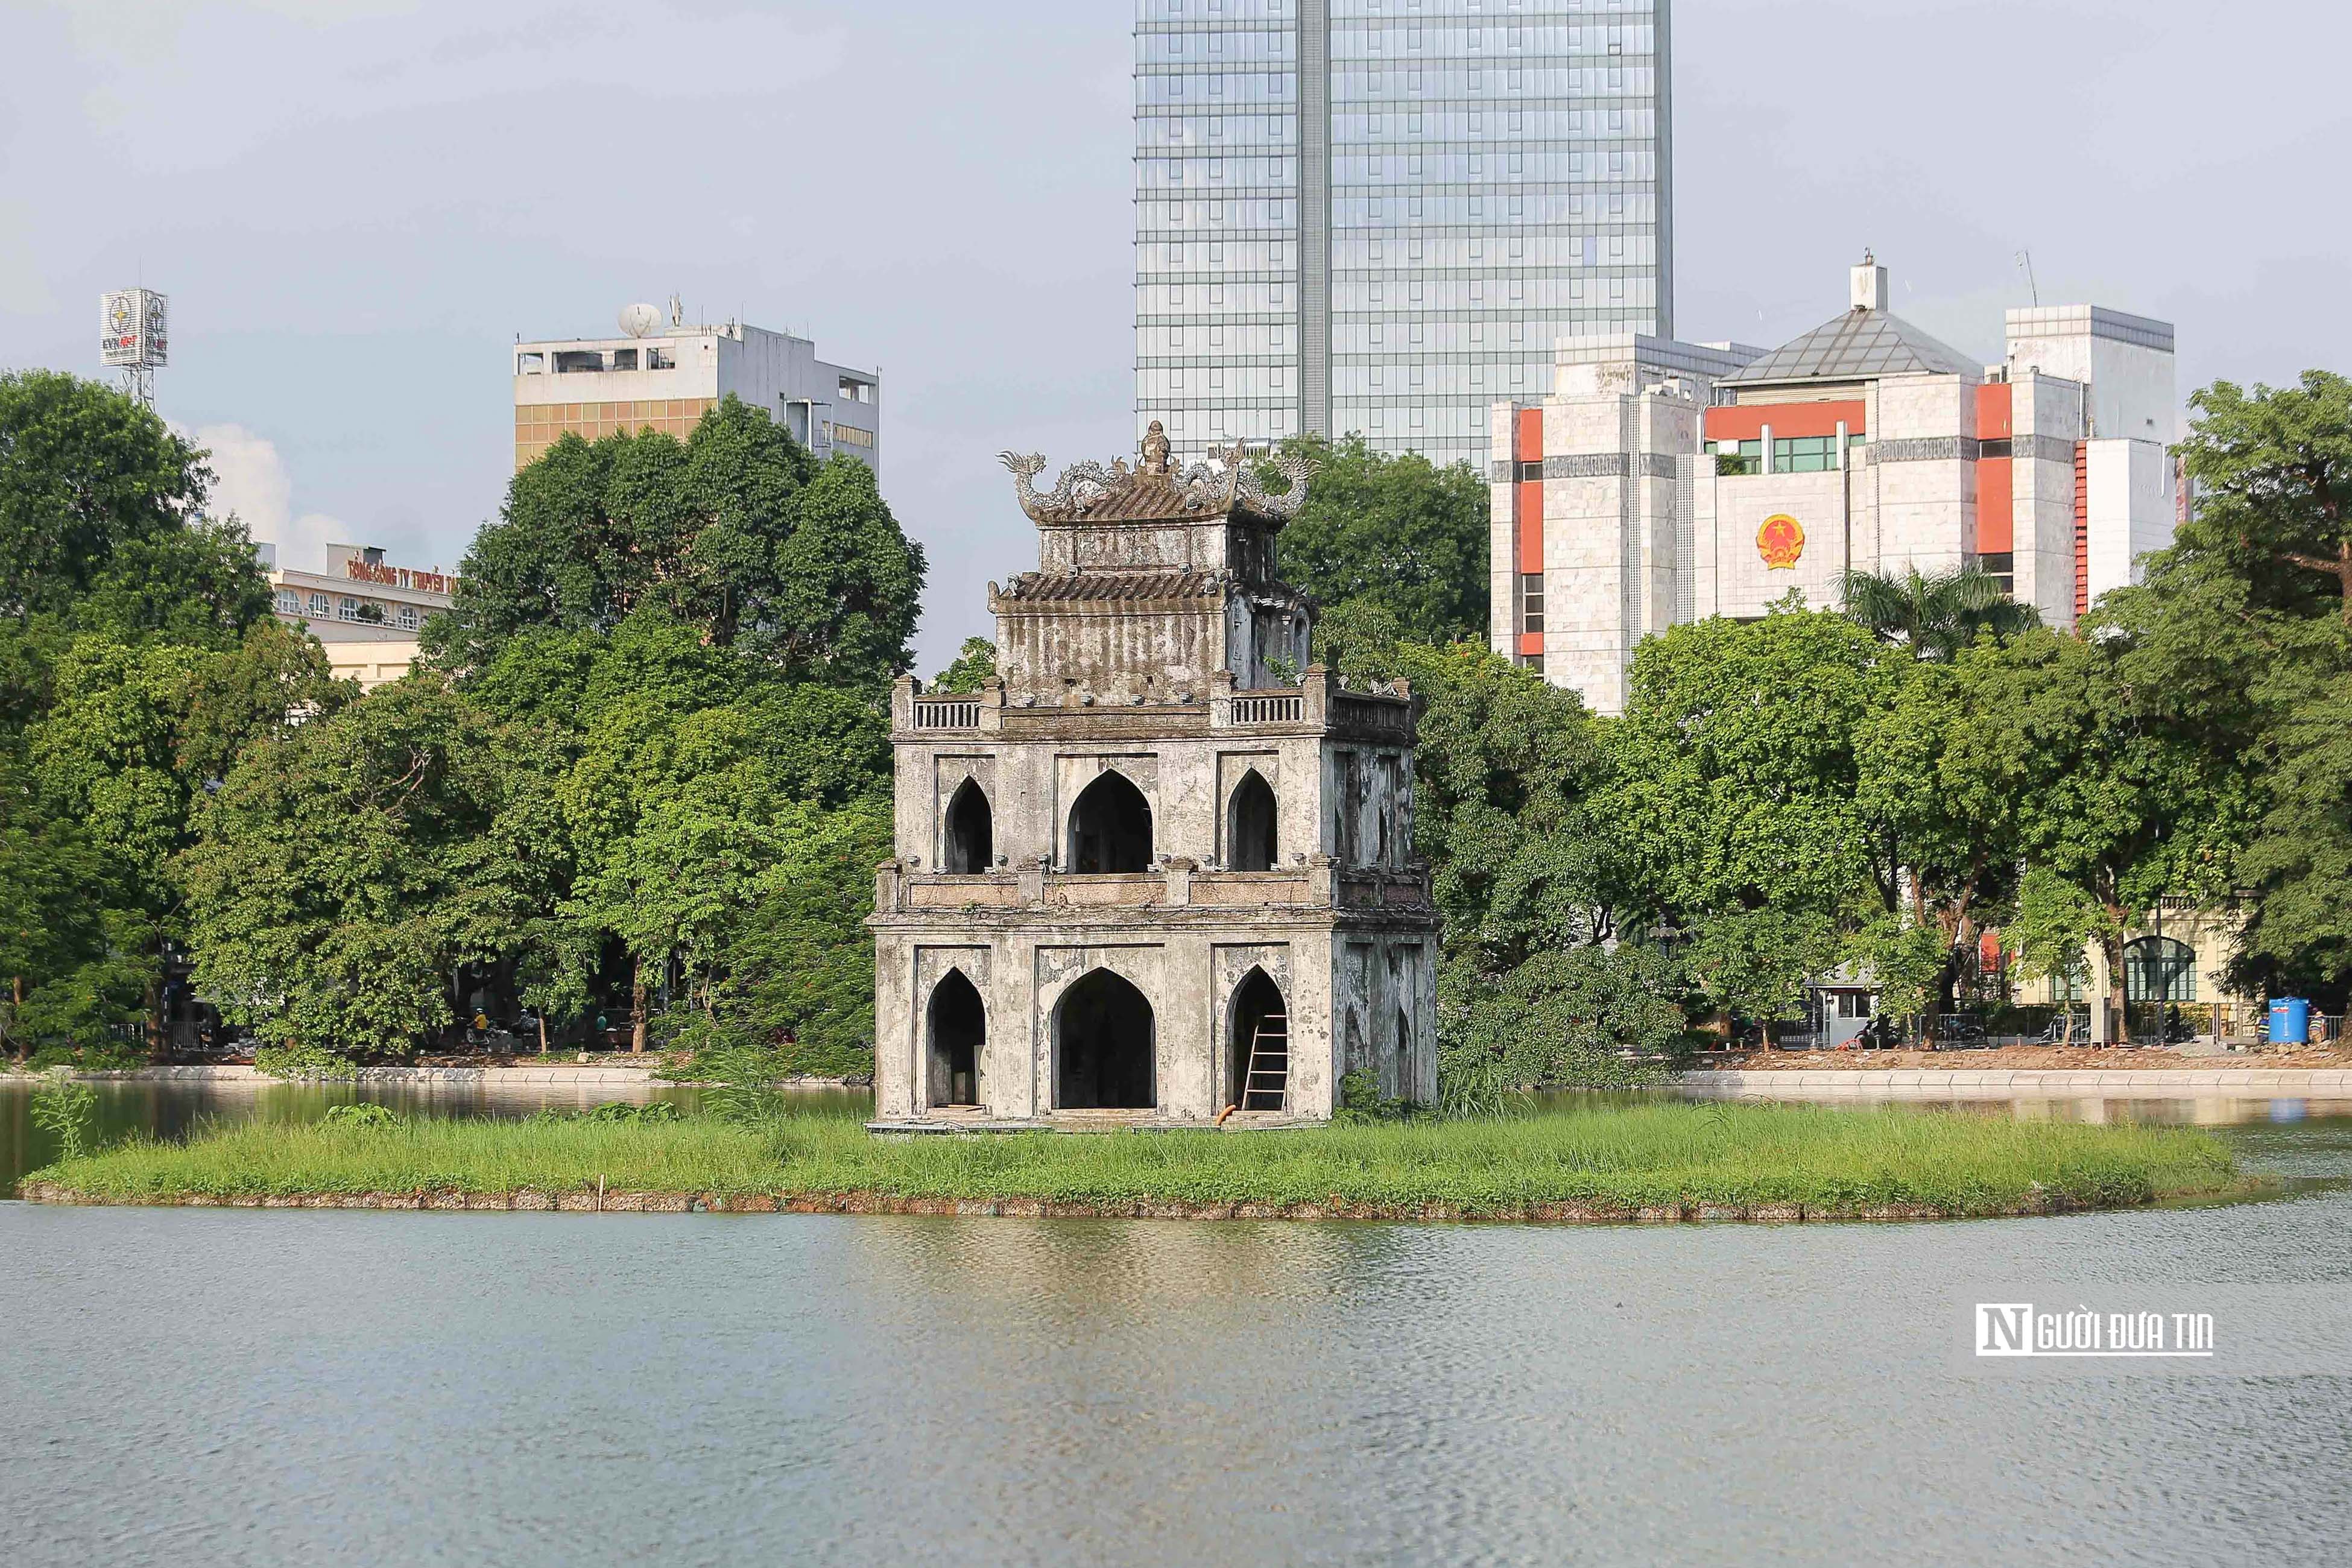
1157	645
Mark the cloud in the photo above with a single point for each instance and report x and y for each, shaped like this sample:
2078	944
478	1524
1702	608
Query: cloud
251	482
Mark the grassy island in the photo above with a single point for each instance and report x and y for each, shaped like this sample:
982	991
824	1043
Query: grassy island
1659	1161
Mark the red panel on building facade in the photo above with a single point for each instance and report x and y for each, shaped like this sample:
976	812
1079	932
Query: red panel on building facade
1996	508
1993	411
1995	491
1531	642
1528	508
1788	420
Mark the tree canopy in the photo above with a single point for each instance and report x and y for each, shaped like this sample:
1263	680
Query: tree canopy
736	531
343	869
2272	471
136	659
1394	532
102	523
2238	645
974	662
1935	615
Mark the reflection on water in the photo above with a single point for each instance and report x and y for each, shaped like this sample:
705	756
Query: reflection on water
294	1388
364	1388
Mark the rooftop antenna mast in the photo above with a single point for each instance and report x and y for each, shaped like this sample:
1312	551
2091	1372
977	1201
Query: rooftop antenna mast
2025	259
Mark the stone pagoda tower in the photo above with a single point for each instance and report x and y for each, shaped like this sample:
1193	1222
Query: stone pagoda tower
1153	872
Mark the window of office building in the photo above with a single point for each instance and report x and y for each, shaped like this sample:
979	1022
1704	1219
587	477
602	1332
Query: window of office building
1805	454
1404	140
1737	457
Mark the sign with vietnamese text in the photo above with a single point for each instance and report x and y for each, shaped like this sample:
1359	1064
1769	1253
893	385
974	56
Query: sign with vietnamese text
133	329
361	570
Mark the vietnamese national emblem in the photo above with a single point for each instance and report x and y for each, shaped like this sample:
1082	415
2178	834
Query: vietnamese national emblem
1780	541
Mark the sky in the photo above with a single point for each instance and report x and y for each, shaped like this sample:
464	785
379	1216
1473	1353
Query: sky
357	205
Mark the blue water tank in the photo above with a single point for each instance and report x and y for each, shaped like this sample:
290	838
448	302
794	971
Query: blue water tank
2290	1021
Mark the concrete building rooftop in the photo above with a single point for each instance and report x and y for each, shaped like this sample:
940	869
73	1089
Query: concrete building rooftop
1864	344
1861	345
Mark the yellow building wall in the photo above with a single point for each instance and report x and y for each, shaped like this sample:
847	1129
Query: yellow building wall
539	425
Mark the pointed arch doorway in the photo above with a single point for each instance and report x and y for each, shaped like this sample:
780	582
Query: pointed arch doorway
1103	1038
1257	1046
956	1026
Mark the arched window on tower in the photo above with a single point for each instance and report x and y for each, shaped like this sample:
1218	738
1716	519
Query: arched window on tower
1110	827
1250	844
970	837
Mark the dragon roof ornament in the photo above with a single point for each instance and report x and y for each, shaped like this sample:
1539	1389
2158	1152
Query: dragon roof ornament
1154	488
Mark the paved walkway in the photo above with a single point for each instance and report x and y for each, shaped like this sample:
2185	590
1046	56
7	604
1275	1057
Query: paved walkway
2243	1082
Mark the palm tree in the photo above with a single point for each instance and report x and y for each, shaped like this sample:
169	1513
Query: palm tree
1937	615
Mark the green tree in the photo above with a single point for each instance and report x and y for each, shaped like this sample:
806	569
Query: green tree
702	636
2272	471
693	771
1576	1015
849	584
1737	786
2122	805
343	870
736	531
133	734
1935	615
800	980
2297	860
2238	643
54	889
93	1009
1527	875
973	663
1937	824
102	525
2055	924
1391	530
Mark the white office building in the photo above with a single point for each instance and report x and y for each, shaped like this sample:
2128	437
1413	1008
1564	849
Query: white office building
666	377
1661	482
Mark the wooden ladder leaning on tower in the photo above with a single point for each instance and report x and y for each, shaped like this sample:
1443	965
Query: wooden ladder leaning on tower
1268	1077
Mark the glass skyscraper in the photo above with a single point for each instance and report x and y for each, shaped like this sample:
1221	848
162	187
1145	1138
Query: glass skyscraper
1380	215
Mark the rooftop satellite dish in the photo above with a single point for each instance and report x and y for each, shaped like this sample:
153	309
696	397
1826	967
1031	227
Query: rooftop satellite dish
638	320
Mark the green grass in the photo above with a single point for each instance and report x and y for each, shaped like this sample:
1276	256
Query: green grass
1608	1158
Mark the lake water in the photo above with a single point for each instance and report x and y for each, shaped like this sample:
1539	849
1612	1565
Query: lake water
303	1388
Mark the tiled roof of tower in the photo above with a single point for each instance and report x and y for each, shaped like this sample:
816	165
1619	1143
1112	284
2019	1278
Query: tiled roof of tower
1860	346
1143	498
1156	491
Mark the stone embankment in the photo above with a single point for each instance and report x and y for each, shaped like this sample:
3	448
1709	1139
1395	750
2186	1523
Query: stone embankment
593	1201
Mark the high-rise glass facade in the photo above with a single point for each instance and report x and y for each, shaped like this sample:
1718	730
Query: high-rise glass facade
1380	216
